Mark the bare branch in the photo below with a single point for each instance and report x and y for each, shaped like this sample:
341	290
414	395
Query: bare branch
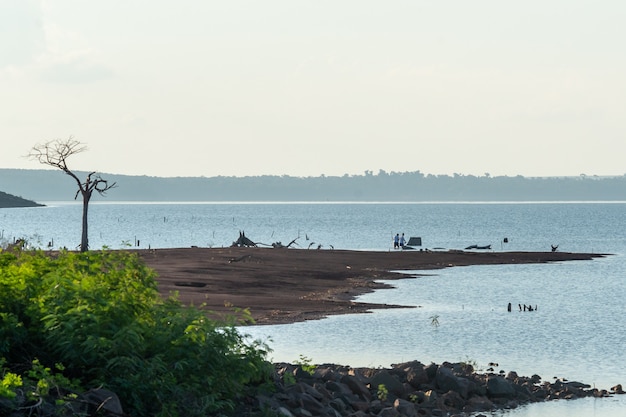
55	153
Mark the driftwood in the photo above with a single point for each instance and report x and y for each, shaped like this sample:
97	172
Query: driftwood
243	241
279	245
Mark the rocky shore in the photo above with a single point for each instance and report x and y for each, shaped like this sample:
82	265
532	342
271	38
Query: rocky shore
408	389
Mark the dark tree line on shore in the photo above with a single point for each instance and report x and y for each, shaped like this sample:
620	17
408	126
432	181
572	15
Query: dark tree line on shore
46	185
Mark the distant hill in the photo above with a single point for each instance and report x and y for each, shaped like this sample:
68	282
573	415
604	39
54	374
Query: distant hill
9	200
54	185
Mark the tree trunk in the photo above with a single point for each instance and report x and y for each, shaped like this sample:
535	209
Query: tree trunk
84	241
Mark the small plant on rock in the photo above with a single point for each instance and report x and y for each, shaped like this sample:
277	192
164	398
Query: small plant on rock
469	364
382	393
306	364
288	379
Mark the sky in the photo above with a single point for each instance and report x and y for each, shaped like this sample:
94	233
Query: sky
319	87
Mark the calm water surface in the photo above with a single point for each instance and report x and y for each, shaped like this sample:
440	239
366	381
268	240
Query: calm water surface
578	331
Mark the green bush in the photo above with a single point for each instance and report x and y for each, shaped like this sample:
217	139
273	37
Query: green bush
100	315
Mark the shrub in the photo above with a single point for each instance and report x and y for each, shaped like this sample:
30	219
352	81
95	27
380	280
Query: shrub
99	314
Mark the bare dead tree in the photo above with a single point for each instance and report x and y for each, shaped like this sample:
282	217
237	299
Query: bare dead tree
55	153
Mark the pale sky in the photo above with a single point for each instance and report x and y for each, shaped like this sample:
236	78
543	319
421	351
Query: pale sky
309	88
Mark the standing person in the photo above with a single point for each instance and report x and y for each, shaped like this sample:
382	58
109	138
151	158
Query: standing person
396	241
402	241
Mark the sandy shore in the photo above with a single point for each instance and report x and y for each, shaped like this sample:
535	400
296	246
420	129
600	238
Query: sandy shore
289	285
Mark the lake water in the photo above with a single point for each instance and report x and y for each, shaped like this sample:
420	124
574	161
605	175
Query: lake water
578	331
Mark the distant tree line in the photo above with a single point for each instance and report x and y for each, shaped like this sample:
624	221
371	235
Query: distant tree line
46	185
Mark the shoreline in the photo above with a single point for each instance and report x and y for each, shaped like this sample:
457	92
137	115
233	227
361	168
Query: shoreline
283	286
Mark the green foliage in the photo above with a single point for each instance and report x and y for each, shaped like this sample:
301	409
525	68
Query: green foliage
306	364
31	390
101	316
382	392
289	379
8	384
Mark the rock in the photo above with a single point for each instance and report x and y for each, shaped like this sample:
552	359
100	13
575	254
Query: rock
103	399
430	397
357	387
338	387
338	404
575	384
377	406
540	394
497	386
390	382
512	376
478	404
388	412
310	390
283	412
405	408
617	389
303	412
452	400
446	381
331	412
418	397
309	403
431	371
414	373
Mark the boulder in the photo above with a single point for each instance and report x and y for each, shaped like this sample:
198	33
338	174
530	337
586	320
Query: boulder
103	399
338	388
283	412
390	382
452	400
512	376
475	404
497	386
617	389
446	381
430	397
389	412
303	412
405	408
310	404
431	371
301	387
356	386
415	374
338	404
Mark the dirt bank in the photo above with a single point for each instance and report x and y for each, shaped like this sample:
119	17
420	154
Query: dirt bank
289	285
